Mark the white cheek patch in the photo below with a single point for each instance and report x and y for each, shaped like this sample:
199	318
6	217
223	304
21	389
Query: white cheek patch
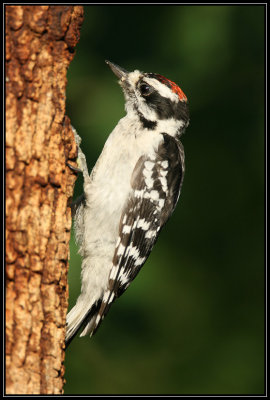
147	112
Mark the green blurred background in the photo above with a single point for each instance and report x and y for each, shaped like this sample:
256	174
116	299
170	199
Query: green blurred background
192	322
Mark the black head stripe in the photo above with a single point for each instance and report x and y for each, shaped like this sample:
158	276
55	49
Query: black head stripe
166	108
146	123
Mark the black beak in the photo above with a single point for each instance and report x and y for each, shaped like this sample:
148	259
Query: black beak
118	71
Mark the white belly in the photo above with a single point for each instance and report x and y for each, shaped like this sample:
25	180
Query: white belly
106	193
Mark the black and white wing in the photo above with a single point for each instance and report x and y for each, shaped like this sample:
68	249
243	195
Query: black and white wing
156	184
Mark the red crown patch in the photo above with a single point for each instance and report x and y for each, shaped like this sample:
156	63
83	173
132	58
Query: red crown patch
175	88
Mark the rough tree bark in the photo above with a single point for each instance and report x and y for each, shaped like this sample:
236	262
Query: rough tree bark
40	42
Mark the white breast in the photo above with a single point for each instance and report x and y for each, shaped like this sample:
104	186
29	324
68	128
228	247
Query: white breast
106	193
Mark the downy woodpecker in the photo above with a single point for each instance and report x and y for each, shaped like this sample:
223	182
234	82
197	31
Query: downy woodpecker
129	195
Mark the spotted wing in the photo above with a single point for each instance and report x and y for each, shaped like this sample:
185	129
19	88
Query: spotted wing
156	184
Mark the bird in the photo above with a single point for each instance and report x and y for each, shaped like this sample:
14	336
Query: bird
129	195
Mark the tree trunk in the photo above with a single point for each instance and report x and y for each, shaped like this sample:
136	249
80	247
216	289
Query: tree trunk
40	42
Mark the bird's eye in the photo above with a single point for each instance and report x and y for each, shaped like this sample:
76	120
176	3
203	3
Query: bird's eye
145	89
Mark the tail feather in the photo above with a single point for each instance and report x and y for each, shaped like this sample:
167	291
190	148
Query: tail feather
78	317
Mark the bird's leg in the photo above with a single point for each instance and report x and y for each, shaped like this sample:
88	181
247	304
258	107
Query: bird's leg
81	160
